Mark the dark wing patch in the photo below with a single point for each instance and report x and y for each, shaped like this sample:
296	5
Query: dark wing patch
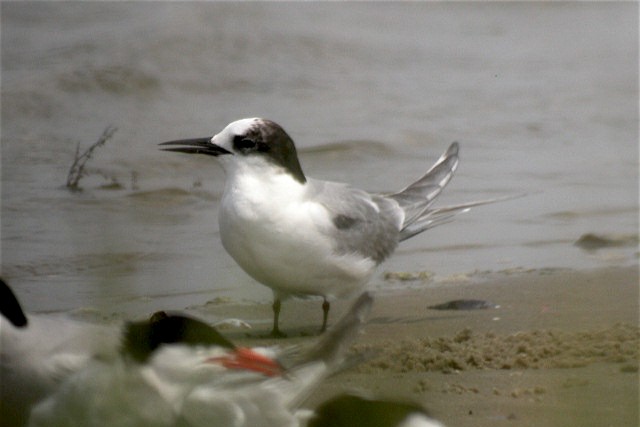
364	224
342	222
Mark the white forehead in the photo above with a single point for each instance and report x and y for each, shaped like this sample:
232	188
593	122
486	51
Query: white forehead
240	127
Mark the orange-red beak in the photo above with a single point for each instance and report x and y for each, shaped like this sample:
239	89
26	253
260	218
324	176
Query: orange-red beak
243	358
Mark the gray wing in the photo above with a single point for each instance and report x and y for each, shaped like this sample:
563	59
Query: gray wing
363	223
417	197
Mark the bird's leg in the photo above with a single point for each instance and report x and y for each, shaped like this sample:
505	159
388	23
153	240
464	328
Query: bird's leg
325	314
275	332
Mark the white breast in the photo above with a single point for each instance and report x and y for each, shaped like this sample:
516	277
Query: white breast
275	234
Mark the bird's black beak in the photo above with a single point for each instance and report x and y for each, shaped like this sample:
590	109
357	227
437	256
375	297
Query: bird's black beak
196	146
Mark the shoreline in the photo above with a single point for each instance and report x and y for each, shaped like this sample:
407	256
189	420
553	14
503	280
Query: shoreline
562	348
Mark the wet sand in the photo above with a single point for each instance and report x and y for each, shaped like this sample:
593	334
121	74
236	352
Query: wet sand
561	348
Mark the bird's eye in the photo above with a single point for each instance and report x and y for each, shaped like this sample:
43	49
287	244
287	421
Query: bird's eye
242	143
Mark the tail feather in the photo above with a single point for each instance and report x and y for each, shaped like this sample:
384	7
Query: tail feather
417	197
438	216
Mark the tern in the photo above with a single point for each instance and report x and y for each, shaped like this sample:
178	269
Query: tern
306	237
354	409
170	370
52	366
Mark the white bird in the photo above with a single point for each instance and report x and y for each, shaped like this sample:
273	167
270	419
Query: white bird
169	371
301	236
53	366
356	410
276	401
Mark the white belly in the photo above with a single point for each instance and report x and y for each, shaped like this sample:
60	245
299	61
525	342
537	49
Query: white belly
281	245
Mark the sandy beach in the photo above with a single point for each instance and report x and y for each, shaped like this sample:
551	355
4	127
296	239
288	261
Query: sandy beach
560	347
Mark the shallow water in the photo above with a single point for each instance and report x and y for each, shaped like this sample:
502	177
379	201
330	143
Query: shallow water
543	98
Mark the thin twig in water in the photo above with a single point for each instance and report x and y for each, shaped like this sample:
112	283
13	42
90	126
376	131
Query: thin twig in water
76	171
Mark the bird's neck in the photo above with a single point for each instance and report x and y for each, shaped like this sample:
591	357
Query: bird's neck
262	182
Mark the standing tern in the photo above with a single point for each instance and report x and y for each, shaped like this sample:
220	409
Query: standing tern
301	236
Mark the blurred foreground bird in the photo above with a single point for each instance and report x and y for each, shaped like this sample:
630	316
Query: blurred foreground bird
170	371
354	410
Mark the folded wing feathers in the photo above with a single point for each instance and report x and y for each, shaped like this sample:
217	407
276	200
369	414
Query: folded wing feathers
417	197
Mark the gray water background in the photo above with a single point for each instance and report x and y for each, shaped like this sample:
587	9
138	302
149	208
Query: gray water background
543	98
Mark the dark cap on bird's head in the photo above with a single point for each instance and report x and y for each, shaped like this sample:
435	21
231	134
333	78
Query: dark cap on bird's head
247	137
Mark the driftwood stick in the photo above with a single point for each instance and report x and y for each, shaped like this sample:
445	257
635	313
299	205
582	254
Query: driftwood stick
77	171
